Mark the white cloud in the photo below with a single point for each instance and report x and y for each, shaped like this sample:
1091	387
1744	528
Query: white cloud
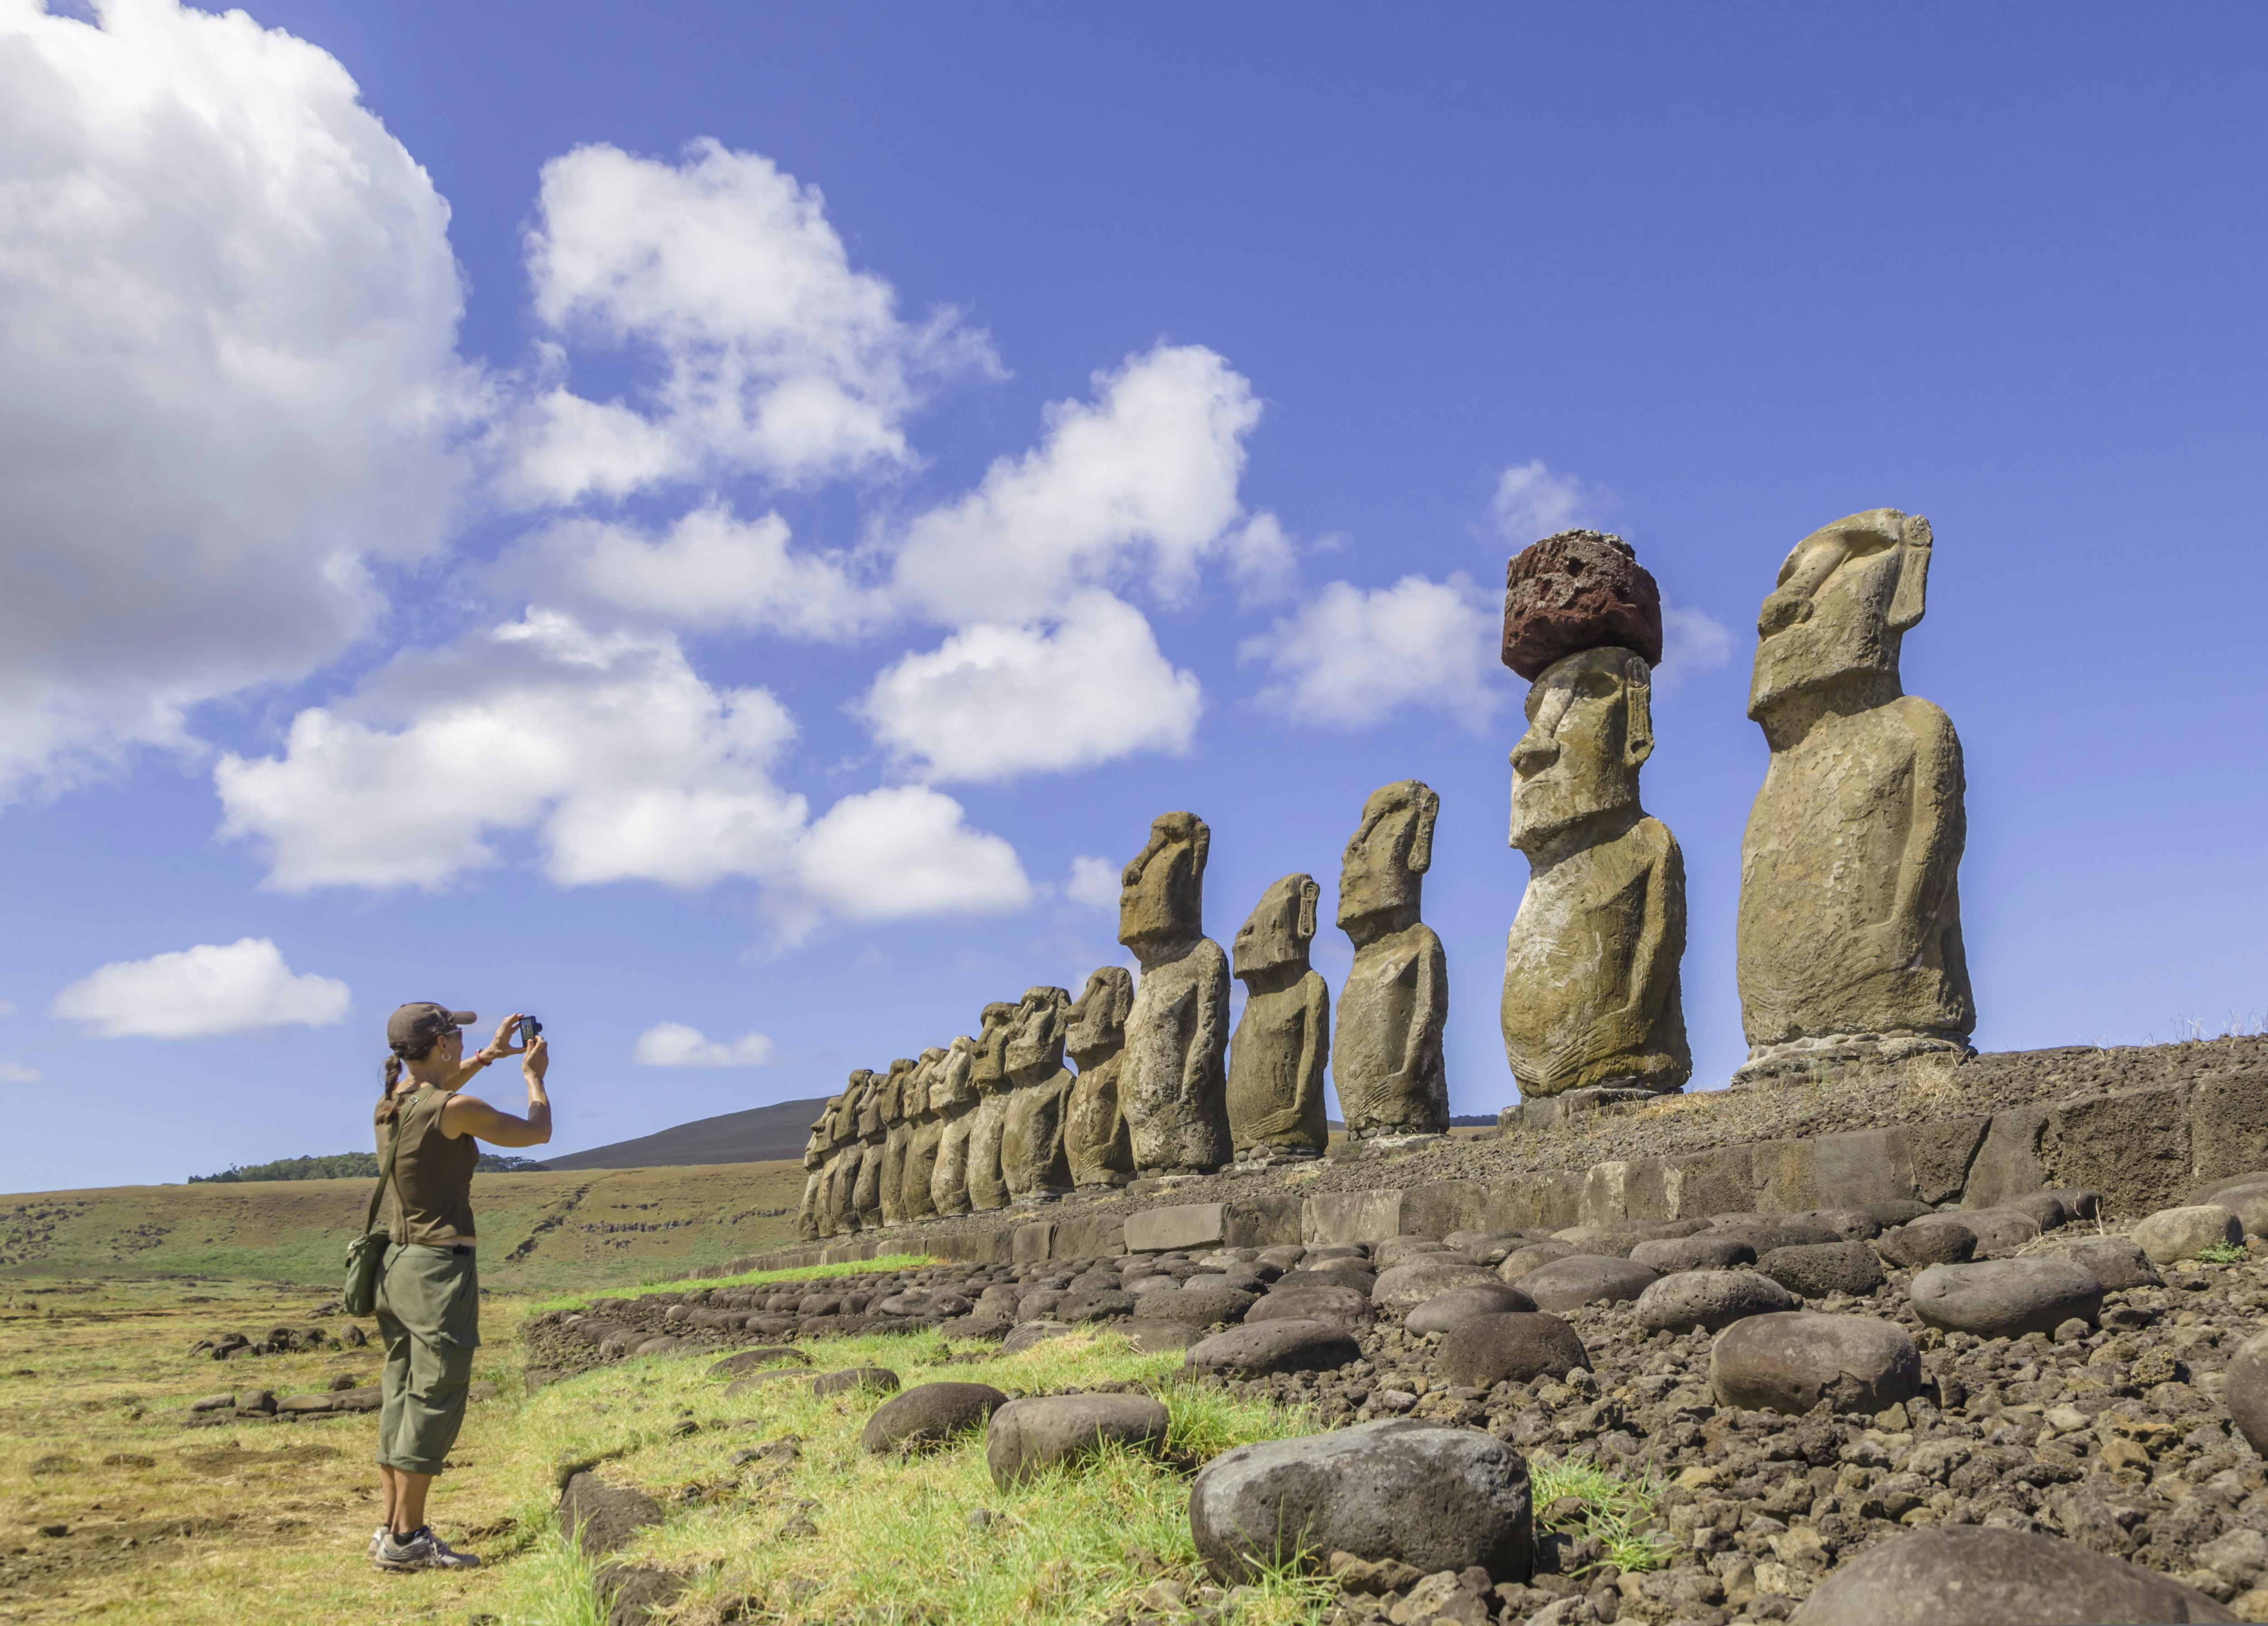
906	851
1263	562
1143	483
773	356
1692	640
673	1044
997	701
1532	503
1094	882
17	1073
197	993
707	570
226	372
1348	658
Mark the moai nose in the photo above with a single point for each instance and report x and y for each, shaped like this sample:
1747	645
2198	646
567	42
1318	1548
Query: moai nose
1535	753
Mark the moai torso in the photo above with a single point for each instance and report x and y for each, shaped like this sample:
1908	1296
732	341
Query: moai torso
1172	1079
955	1100
843	1179
867	1193
988	1187
1850	918
1096	1147
915	1200
897	1133
814	1162
1283	1038
1386	1047
1031	1163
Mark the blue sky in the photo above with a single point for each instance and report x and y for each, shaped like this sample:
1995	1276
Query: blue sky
701	517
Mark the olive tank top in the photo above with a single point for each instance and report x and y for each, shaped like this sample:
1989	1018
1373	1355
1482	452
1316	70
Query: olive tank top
432	1186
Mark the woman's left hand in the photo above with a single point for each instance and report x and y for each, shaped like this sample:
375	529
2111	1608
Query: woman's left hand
501	1044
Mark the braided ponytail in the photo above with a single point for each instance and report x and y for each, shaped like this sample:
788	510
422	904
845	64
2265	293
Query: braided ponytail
389	1105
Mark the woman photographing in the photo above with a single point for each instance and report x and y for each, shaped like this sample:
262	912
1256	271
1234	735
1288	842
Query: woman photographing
429	1293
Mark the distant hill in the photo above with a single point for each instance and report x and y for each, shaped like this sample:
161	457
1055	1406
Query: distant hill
343	1165
761	1135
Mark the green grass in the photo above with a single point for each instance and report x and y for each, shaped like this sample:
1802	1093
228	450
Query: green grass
2222	1254
1615	1510
747	1278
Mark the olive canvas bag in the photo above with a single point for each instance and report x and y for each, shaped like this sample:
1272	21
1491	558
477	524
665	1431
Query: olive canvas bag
367	1252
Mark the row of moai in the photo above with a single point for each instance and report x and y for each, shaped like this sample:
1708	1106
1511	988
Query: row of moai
1849	935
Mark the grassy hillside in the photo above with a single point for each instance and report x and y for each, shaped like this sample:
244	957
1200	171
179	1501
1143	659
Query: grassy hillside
538	1231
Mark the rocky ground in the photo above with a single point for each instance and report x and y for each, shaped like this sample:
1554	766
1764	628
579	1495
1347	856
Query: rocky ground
1744	1469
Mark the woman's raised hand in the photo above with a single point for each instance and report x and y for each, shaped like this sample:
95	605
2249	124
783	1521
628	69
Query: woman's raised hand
537	1060
501	1044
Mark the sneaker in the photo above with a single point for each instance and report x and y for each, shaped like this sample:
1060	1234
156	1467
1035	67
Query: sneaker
422	1549
376	1539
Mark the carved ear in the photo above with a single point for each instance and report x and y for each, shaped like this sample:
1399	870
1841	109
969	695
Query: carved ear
1638	729
1309	892
1911	599
1421	839
1200	843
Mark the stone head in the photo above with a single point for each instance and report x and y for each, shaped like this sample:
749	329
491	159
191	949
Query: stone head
990	1074
921	1089
1590	728
1036	1039
953	1087
1276	933
1382	873
853	1097
1097	1028
895	1090
1161	894
1846	597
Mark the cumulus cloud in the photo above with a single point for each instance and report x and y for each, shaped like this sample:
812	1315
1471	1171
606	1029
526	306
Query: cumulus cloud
906	851
771	355
197	993
1348	658
673	1044
1531	503
1094	882
226	375
1692	640
19	1073
997	701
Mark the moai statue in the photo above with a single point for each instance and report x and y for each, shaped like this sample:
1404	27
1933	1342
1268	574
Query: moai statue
927	1125
814	1164
1386	1053
954	1098
1174	1082
1032	1160
1096	1145
897	1133
867	1196
1275	1060
987	1188
851	1152
1590	966
1850	921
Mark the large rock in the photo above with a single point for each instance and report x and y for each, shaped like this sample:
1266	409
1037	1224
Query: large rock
2116	1262
1999	1231
1261	1347
1406	1286
1702	1251
2250	1204
1028	1437
1711	1298
1485	1247
1342	1304
1156	1337
1791	1362
881	1379
1821	1269
600	1516
747	1361
1430	1497
2246	1391
1030	1333
1398	1250
1917	1247
2006	1297
1446	1312
1204	1306
1519	1345
2174	1234
1969	1575
1535	1256
1577	590
929	1414
1586	1279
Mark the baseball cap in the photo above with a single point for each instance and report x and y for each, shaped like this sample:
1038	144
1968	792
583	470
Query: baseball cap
414	1027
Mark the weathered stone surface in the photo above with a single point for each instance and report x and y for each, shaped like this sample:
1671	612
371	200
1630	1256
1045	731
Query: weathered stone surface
1169	1230
1822	1269
1997	1230
2136	1148
1521	1261
1865	1166
1153	1337
2113	1260
2174	1234
1405	1286
1173	1082
1485	1247
1434	1498
1033	1163
746	1361
917	1177
1590	972
988	1124
755	1383
1577	590
1028	1437
1446	1311
1258	1349
1790	1362
600	1516
1037	1331
2007	1297
955	1099
2245	1393
1917	1246
897	1136
1703	1252
1200	1306
1096	1143
1520	1346
1283	1038
1942	1154
881	1379
2250	1204
1586	1279
1387	1061
929	1414
1340	1217
1850	942
1344	1306
1974	1575
1711	1298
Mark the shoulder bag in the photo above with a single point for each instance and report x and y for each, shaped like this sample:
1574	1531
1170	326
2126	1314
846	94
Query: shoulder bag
367	1252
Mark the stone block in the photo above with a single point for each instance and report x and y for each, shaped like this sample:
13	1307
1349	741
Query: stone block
1603	1200
1184	1225
1864	1166
2133	1148
1439	1207
1525	1201
1090	1236
1266	1221
1717	1181
2228	1124
2008	1164
1783	1177
1331	1218
1028	1245
1942	1154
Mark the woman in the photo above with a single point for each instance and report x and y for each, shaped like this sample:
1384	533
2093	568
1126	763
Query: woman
429	1293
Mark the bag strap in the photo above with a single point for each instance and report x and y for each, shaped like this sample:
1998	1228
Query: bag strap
385	1170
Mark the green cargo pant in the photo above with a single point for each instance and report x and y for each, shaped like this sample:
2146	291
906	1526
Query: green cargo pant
429	1312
